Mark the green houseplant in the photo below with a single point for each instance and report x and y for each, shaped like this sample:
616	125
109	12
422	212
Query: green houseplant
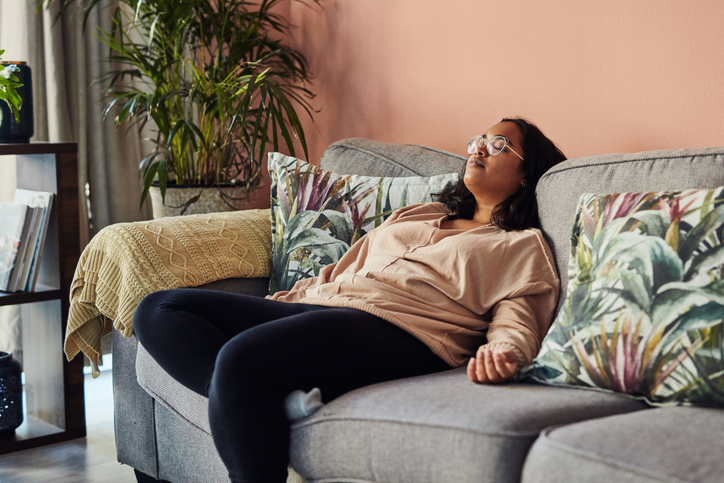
8	83
214	79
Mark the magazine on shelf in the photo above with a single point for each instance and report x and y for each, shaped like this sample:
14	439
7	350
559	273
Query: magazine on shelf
13	220
25	251
44	201
27	242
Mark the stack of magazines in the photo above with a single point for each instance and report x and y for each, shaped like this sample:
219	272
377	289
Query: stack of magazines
23	228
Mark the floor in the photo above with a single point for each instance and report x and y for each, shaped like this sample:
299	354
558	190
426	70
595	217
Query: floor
86	460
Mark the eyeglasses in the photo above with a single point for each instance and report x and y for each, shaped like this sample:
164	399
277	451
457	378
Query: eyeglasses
495	145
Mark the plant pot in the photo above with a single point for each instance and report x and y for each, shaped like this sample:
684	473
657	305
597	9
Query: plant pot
192	200
12	131
11	393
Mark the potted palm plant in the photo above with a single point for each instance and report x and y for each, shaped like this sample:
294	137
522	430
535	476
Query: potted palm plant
215	85
8	85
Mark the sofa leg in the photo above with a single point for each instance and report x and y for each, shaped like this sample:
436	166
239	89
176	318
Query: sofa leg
144	478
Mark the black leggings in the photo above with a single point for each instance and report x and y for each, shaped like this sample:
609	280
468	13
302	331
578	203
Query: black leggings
248	353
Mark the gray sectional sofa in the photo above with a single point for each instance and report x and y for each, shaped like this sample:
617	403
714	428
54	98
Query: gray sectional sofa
443	428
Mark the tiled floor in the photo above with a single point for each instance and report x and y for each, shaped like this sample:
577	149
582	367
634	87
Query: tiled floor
86	460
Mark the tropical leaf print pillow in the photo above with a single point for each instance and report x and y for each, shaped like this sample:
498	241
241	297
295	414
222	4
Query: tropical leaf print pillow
317	215
645	309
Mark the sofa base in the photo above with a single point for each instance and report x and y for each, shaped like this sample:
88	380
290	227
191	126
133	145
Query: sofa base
144	478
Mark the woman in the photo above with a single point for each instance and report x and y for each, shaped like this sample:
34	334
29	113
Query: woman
438	285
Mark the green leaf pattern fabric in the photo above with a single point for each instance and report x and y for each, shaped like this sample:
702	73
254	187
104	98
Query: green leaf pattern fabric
644	314
317	215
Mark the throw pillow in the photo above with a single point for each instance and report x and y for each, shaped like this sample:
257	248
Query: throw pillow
317	215
645	309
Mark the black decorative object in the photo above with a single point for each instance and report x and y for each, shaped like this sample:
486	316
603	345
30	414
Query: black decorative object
12	131
11	393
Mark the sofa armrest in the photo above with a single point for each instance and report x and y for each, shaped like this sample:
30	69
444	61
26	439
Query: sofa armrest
125	262
133	415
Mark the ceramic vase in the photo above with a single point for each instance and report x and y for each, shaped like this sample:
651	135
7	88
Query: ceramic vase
12	131
11	393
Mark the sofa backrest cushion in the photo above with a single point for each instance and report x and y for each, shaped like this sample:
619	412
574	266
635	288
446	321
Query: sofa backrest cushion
559	189
373	158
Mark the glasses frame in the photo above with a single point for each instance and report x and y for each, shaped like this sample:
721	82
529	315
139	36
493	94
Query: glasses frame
472	145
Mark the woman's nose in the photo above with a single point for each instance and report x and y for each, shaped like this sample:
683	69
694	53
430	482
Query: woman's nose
481	149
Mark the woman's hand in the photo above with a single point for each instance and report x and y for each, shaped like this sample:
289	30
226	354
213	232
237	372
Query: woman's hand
492	365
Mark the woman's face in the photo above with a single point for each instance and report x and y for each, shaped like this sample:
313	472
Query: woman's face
492	179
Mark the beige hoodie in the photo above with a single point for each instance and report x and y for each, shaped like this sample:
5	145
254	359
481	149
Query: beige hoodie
447	287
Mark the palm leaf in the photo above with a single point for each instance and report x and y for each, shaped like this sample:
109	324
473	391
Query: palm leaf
326	248
708	225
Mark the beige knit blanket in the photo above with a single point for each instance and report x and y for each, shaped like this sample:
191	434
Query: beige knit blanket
125	262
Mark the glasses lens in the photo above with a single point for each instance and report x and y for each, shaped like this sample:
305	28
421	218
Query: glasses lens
496	145
474	144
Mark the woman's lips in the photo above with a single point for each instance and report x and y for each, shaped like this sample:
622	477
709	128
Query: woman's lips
476	161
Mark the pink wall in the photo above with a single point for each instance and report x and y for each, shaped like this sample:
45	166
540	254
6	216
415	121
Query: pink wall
596	76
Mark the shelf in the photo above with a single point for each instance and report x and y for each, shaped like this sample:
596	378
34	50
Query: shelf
32	433
31	429
41	294
38	148
53	391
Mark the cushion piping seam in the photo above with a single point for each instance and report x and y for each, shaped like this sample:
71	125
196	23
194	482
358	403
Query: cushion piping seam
338	480
435	150
592	457
379	156
157	462
621	161
502	434
157	398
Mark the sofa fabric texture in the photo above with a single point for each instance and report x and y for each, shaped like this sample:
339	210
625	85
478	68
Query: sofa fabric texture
464	437
441	427
133	410
659	445
372	158
437	428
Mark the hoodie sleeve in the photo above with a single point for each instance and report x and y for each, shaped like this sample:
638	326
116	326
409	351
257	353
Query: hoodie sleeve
521	322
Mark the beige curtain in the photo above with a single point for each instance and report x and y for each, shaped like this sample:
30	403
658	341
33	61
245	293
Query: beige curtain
65	60
68	106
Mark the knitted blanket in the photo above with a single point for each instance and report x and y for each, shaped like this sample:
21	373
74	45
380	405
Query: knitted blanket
125	262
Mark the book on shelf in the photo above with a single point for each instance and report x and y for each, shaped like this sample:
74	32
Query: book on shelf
44	201
23	229
13	219
22	259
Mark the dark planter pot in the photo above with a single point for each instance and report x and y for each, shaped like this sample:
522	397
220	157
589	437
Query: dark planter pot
10	130
11	393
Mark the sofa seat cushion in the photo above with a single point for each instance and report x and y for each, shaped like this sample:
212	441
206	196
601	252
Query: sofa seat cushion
665	444
439	427
433	428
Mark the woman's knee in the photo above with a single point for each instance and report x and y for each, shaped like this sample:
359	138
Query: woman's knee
148	314
237	356
244	362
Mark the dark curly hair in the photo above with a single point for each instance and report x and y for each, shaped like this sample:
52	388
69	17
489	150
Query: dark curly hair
520	210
